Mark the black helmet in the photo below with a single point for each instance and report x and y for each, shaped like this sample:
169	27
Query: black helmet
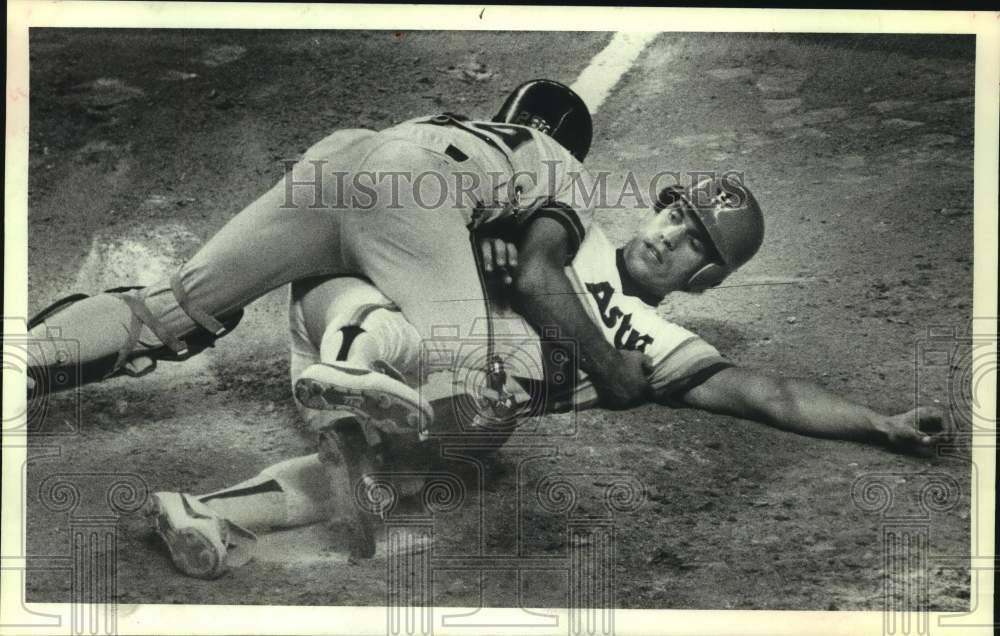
554	109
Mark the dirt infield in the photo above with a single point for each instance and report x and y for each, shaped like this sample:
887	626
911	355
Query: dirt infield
142	144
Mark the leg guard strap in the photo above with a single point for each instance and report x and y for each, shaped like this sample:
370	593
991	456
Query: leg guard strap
141	315
173	347
195	313
179	349
129	359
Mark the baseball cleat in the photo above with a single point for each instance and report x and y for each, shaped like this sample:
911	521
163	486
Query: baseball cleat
201	543
378	396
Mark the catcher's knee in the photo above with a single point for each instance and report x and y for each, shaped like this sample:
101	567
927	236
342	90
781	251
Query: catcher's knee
134	356
135	359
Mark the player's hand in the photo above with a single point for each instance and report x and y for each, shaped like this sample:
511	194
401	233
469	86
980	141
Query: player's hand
500	257
918	430
627	384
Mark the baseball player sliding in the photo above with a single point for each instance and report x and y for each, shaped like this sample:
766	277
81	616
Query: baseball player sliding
693	238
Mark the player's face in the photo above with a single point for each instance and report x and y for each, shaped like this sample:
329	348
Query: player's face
667	250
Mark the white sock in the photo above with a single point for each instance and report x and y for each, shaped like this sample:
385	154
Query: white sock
351	344
291	493
384	334
398	340
307	486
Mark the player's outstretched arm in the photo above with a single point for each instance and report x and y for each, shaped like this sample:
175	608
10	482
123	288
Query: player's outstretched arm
806	408
544	295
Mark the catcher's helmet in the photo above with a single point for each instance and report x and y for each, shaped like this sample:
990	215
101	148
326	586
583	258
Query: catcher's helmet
552	108
732	221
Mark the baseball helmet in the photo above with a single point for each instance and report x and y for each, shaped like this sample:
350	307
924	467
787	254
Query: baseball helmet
731	218
554	109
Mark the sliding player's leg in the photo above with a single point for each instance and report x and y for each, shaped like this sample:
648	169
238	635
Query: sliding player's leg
367	354
209	534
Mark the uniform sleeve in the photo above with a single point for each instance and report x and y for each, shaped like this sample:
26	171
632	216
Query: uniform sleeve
565	193
688	366
684	368
568	218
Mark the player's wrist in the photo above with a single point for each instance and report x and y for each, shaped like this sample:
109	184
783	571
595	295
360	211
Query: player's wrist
600	363
882	430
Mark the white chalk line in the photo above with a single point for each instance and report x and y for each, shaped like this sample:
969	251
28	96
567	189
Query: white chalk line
606	68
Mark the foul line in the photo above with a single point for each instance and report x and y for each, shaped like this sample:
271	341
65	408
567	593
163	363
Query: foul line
607	67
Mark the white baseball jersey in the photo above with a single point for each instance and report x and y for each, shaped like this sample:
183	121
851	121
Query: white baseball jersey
627	320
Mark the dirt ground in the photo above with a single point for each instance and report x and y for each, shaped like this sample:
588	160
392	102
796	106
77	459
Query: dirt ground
142	144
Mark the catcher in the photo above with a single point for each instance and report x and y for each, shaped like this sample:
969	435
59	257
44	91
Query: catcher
688	242
398	207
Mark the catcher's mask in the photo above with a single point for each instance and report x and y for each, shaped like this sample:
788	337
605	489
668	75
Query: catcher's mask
554	109
730	218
